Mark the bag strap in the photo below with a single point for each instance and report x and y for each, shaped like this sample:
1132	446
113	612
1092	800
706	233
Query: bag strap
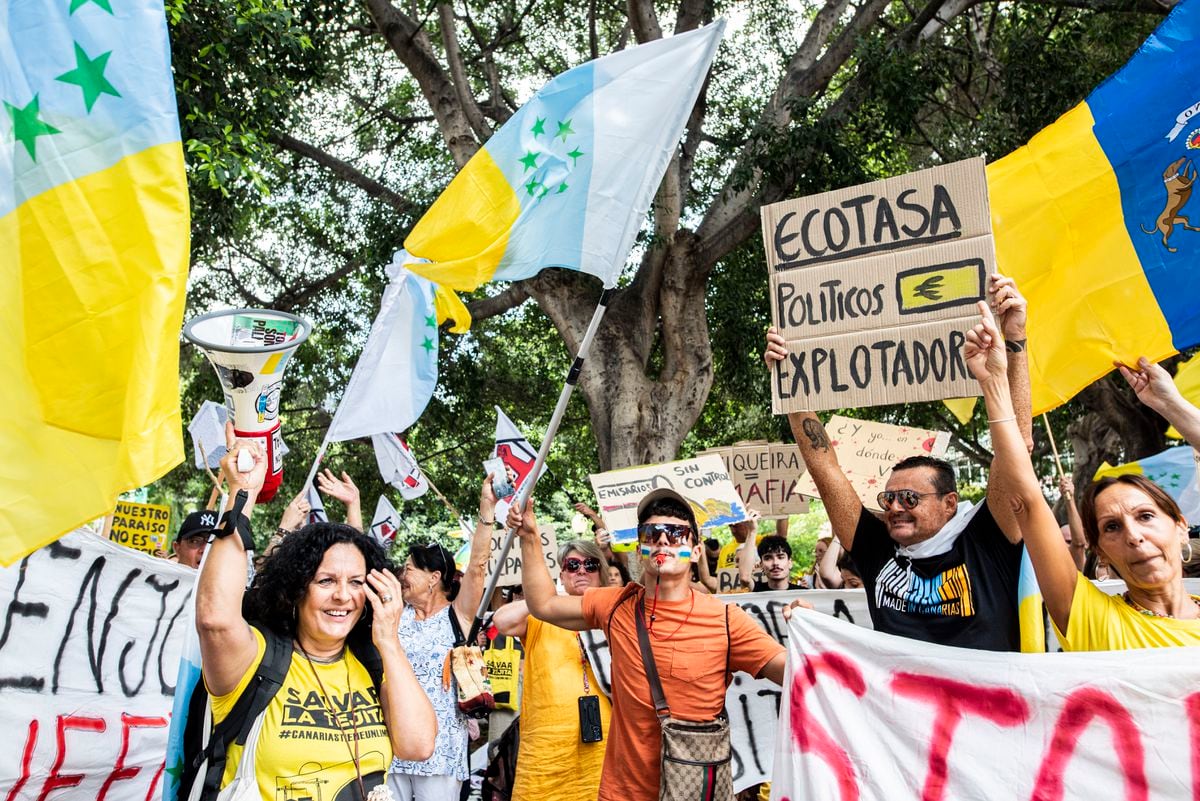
268	678
656	690
459	639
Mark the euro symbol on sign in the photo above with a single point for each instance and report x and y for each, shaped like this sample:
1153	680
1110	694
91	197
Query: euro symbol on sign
930	288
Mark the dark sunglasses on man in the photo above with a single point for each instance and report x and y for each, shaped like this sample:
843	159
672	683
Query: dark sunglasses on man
908	498
677	533
574	564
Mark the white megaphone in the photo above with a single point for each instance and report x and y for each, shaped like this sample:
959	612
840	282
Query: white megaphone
249	349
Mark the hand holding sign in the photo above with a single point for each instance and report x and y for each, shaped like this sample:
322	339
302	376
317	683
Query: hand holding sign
984	349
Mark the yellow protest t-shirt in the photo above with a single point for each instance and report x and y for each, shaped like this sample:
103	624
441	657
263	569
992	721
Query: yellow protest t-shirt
1103	622
727	566
301	751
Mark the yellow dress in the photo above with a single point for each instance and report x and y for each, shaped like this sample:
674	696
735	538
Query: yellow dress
552	763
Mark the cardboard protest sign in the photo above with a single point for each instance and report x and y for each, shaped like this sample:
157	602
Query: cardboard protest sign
88	669
866	452
867	713
873	286
704	481
765	476
511	575
141	526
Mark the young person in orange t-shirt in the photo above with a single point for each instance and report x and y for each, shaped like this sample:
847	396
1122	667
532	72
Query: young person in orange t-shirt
697	640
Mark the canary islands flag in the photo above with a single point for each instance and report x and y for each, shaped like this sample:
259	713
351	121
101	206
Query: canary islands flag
94	237
1093	218
1173	469
566	182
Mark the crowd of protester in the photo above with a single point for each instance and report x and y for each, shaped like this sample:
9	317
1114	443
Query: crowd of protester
932	566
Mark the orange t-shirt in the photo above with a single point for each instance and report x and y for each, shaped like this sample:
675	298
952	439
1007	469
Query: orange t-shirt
691	666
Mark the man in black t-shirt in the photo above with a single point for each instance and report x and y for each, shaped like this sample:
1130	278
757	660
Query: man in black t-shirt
933	569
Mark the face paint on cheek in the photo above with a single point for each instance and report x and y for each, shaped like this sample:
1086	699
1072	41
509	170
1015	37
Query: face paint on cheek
645	550
684	554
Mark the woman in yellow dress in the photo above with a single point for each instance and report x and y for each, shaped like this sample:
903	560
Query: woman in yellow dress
554	761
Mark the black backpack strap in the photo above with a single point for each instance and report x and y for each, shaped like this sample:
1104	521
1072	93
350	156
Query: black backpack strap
235	727
459	639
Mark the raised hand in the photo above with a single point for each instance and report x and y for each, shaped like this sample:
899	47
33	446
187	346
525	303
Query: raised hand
342	489
487	500
384	594
1152	384
776	350
295	514
984	349
1010	306
235	479
524	524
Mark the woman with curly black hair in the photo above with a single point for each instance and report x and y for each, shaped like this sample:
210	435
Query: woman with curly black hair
324	587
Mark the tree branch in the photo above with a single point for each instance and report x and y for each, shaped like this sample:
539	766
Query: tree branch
458	73
644	21
510	298
343	170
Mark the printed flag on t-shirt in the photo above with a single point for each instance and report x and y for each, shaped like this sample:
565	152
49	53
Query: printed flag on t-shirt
385	523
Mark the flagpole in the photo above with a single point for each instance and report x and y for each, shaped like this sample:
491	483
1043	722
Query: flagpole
551	430
462	521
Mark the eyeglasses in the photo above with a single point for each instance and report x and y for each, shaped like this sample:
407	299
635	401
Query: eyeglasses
908	498
676	532
574	565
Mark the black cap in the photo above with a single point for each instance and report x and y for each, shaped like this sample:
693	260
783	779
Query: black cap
664	492
197	524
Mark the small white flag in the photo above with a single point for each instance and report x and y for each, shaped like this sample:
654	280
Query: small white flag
208	434
398	466
517	454
385	523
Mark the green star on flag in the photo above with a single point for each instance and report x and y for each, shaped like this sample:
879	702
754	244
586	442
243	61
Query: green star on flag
27	127
539	127
431	321
533	185
77	4
530	160
88	75
575	154
564	130
428	345
562	188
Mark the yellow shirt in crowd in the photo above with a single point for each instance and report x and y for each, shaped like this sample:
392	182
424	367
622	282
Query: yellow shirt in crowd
1103	622
301	751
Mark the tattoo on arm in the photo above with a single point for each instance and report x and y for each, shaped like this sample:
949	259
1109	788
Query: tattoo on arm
816	435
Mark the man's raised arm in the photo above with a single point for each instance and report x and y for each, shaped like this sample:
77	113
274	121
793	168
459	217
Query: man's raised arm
837	493
543	600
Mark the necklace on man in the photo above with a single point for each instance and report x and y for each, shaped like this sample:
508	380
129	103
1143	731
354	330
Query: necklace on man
1150	612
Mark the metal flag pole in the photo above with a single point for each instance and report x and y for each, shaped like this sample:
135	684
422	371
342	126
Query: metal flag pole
526	491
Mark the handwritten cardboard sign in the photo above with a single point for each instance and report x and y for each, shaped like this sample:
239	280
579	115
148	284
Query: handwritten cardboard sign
873	286
765	475
142	526
511	575
704	481
867	451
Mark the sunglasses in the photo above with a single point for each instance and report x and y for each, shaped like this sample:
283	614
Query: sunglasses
677	533
908	498
574	565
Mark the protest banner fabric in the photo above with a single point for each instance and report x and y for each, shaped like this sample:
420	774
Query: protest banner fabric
94	221
93	640
866	452
1091	219
873	287
765	476
144	527
511	574
567	180
703	481
876	717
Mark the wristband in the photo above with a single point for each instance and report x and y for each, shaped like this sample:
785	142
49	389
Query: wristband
491	522
234	520
1014	345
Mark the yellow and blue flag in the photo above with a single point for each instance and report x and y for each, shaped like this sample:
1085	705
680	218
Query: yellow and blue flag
566	182
1173	469
94	237
1093	218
